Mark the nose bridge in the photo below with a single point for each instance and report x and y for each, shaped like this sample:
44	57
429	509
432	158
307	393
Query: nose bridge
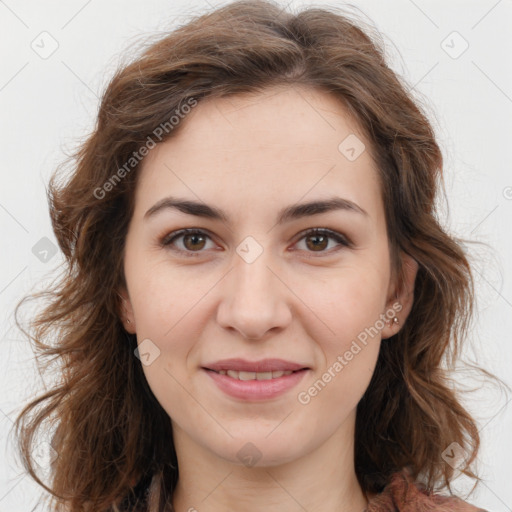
254	280
254	299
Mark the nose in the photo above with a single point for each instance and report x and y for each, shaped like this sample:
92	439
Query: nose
255	300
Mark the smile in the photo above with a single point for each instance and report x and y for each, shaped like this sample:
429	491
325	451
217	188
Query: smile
255	386
242	375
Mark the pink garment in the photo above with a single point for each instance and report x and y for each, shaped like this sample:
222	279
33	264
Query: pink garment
403	495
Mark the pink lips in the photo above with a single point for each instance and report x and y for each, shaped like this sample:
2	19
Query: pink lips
255	390
264	365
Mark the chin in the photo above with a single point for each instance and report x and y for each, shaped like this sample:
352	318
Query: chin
257	450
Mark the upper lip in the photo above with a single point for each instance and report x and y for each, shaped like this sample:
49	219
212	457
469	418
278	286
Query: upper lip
264	365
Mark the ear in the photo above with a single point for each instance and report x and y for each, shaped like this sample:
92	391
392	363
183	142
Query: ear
126	313
400	295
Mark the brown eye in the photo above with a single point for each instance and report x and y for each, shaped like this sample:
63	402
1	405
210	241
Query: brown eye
192	241
318	242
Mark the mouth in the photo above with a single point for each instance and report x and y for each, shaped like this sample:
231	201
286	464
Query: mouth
255	386
245	375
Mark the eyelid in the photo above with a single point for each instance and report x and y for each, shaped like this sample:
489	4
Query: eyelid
343	241
167	240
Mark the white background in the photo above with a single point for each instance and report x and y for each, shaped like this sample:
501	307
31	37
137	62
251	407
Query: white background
48	104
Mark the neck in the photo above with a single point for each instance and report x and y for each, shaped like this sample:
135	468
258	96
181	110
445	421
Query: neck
322	480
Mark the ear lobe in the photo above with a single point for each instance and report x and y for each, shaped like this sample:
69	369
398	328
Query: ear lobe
401	297
126	314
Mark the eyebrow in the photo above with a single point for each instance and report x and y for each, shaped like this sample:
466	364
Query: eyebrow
287	214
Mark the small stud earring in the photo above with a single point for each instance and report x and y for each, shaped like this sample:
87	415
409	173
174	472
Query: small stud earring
128	321
393	322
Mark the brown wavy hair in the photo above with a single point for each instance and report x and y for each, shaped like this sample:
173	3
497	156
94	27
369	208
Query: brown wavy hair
112	437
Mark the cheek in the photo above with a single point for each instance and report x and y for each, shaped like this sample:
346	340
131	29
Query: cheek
348	338
163	296
345	302
166	310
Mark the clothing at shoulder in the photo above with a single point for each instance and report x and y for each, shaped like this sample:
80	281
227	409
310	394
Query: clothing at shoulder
402	494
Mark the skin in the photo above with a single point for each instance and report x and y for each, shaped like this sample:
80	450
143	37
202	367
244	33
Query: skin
252	155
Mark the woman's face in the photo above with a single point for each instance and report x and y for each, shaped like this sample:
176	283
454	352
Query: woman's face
252	284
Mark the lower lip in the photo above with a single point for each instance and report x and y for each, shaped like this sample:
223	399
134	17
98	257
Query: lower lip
256	389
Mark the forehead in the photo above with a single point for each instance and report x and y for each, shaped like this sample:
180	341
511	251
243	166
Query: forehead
278	145
280	117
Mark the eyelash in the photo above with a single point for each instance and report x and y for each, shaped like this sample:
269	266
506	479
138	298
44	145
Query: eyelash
168	239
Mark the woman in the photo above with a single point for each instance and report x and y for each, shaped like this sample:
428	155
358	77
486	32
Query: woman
259	299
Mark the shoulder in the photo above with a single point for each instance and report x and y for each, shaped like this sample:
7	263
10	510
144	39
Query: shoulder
402	494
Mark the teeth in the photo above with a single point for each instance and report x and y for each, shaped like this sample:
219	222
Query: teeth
254	375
